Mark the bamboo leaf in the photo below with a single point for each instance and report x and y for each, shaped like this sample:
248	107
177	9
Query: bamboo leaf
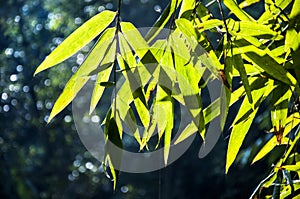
233	7
134	38
113	141
272	10
165	108
280	99
209	24
239	65
250	28
99	88
268	64
187	5
78	80
243	121
78	39
247	3
162	20
291	122
295	167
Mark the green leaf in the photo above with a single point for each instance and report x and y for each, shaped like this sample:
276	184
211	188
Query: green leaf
100	84
79	79
239	65
202	11
247	3
134	38
134	79
189	130
187	5
295	167
124	110
292	40
202	57
187	28
291	122
78	39
272	10
166	113
261	59
162	20
243	121
209	24
224	105
100	68
233	7
250	28
280	100
112	156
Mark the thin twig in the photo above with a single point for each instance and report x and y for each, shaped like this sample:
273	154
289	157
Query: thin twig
118	28
224	21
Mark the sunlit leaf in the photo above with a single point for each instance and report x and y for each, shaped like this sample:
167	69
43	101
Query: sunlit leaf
247	3
243	121
162	20
134	38
249	28
272	10
234	7
113	146
99	87
280	99
295	167
186	5
239	65
165	104
264	61
78	80
78	39
292	121
209	24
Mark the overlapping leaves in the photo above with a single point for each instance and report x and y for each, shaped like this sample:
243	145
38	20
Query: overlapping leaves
261	53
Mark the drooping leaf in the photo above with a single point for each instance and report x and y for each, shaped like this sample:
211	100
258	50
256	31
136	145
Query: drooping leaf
162	20
250	28
186	5
261	59
272	11
134	38
280	100
134	79
165	104
234	7
247	3
239	65
295	167
100	85
291	122
78	39
209	24
113	146
243	121
78	80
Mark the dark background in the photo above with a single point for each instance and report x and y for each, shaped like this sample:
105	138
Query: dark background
49	161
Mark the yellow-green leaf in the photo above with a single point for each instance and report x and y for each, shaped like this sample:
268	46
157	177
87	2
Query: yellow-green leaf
78	39
78	80
243	121
241	14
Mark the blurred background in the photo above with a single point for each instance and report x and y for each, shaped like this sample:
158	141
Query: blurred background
40	160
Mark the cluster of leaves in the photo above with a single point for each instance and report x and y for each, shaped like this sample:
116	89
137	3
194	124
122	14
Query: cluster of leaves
158	73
